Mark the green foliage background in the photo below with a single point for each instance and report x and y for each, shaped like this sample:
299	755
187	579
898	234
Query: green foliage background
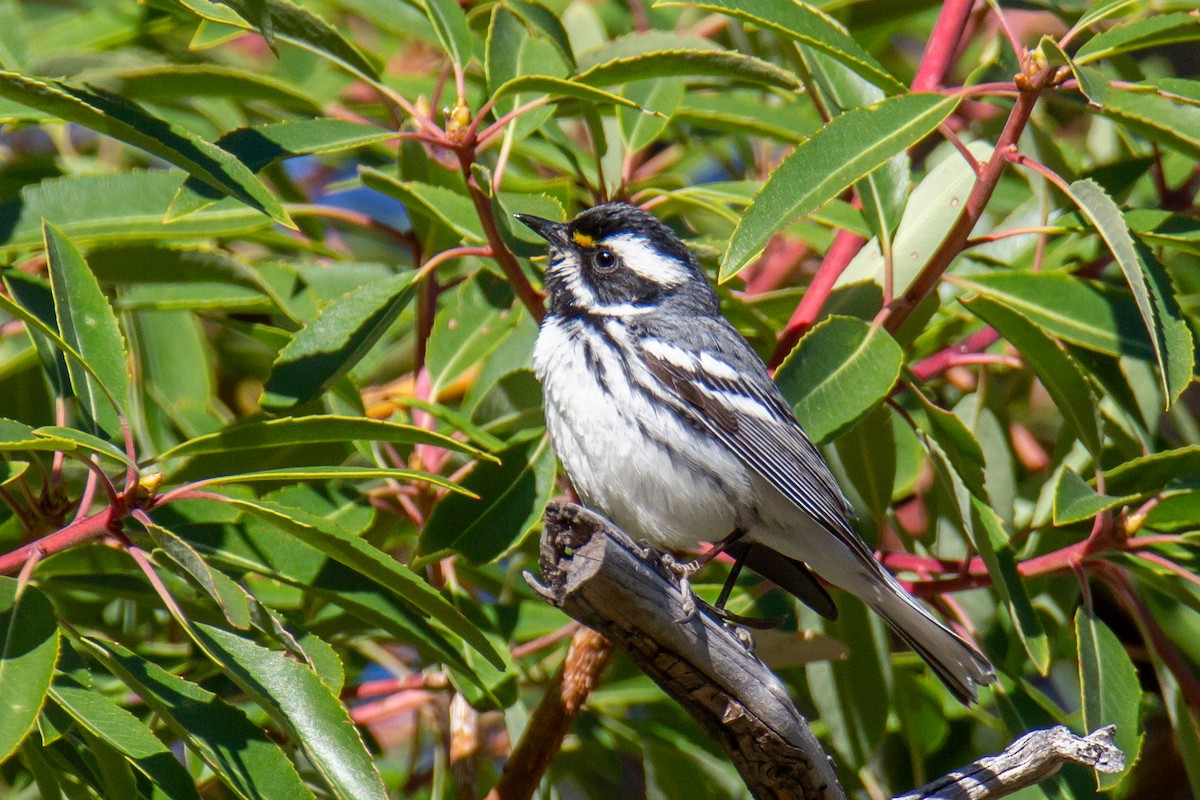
273	456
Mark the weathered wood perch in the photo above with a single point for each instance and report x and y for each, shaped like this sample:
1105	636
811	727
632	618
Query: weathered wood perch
597	575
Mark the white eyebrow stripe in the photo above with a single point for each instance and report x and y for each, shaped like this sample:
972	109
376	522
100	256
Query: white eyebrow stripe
638	256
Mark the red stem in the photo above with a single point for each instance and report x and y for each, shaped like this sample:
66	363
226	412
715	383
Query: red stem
981	194
938	363
76	533
943	44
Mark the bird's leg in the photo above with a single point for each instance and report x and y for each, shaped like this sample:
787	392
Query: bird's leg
685	571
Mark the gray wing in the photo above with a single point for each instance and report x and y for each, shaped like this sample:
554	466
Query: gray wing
770	441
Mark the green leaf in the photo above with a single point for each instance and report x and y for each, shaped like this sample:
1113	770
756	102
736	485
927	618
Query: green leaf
11	470
662	54
321	428
802	23
546	21
511	498
1151	473
29	642
452	208
1075	501
468	329
867	452
329	346
1166	110
372	564
176	81
850	147
1112	694
1153	31
124	732
1168	332
288	22
334	474
839	371
124	120
17	436
88	324
266	144
450	24
85	440
239	752
297	699
1058	372
128	206
992	541
228	596
562	87
663	96
1088	314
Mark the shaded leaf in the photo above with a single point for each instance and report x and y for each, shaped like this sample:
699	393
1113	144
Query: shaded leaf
450	23
452	208
239	752
804	24
661	54
29	642
1153	31
1058	372
511	498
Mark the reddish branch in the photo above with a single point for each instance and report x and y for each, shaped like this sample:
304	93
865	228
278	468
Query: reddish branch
88	528
938	363
551	721
943	45
978	200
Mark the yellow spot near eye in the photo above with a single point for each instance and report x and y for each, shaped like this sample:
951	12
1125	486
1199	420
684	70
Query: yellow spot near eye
583	240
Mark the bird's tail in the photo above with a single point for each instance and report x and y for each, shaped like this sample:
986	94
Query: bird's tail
956	661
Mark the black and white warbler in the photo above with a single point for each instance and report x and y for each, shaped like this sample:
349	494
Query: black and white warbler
668	423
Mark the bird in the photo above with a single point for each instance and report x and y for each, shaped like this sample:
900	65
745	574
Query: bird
668	423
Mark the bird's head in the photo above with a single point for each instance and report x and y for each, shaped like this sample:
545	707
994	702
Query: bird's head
615	259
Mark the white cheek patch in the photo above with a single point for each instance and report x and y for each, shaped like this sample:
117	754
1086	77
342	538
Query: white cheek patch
638	256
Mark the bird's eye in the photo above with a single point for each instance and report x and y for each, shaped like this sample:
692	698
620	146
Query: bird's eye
605	261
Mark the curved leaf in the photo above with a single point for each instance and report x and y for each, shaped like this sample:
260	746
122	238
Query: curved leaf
239	752
840	154
320	428
29	642
124	120
329	346
802	23
839	371
371	563
1153	31
1112	694
88	324
660	54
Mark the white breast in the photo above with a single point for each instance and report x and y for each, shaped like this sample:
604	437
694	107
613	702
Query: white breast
610	438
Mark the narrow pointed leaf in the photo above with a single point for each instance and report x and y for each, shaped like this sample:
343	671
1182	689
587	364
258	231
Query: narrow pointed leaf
450	24
661	54
1058	372
511	498
125	733
285	474
29	642
288	22
1168	336
329	346
1075	501
563	87
239	752
86	441
124	120
320	428
806	25
1153	31
850	147
372	564
452	208
297	699
1111	692
87	323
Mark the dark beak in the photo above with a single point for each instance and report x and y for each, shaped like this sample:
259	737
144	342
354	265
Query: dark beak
553	232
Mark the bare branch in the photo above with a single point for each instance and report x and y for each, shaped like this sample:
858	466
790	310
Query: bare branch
1031	759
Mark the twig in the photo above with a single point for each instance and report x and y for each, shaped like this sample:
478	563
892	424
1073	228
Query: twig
551	720
1029	760
64	538
943	44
